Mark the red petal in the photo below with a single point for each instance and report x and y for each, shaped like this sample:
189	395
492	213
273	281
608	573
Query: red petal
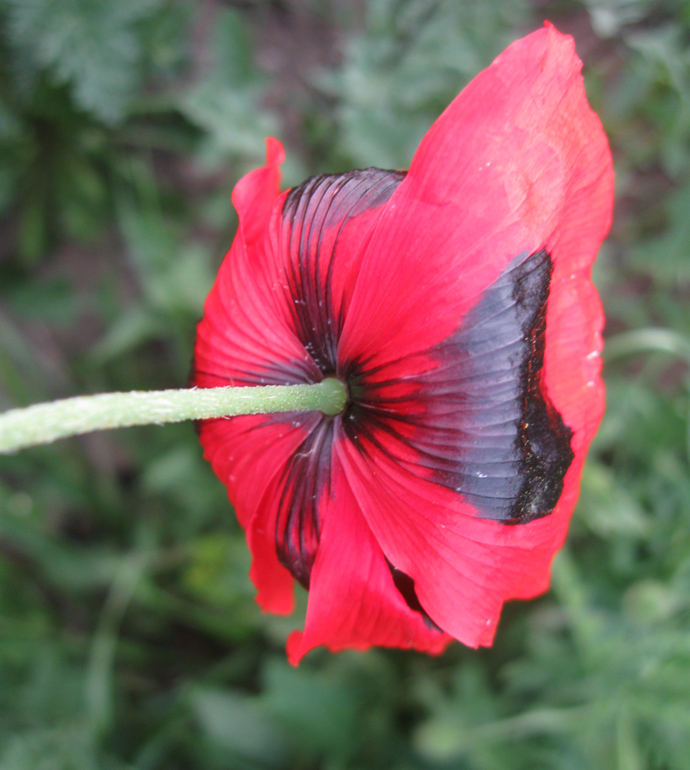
463	567
353	601
255	193
239	341
250	456
242	338
517	162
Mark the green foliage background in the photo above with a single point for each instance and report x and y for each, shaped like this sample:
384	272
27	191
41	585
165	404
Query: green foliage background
129	637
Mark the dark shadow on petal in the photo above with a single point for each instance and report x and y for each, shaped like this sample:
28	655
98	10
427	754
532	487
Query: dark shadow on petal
405	586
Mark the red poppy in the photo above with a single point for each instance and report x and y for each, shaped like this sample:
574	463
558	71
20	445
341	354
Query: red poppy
455	302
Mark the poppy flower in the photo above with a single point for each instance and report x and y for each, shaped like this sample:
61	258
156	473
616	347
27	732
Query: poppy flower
455	303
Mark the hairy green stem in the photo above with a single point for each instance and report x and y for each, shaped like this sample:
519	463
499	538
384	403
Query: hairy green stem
43	423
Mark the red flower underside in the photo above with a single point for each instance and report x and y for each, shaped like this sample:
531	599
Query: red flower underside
456	302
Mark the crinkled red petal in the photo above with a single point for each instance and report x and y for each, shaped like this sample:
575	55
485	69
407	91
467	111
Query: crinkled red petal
242	338
252	457
353	601
463	567
516	163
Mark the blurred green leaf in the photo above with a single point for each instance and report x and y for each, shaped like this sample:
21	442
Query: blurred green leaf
667	256
322	707
226	104
67	749
412	60
239	725
89	44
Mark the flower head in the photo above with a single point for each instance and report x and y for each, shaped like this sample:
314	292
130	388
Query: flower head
455	303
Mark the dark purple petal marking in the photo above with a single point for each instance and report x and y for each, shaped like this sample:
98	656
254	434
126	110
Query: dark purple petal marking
308	474
479	420
313	215
312	211
490	431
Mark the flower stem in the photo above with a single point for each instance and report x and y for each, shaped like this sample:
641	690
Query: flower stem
43	423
